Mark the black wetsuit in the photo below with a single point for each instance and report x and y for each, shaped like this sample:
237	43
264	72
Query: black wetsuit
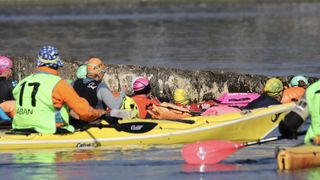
5	90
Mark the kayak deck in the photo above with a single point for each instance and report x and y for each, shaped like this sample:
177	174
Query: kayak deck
240	126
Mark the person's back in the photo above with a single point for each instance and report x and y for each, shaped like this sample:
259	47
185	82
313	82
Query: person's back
272	95
94	90
141	89
6	85
298	84
43	98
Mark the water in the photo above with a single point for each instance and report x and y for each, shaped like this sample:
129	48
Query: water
269	39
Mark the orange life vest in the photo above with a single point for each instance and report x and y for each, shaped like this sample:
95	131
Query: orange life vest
143	103
292	94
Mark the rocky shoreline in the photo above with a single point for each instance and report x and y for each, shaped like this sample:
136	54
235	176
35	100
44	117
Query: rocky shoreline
200	85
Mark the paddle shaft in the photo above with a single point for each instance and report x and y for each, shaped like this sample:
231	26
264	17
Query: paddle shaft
261	141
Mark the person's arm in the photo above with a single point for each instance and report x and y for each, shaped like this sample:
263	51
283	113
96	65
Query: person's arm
63	93
105	95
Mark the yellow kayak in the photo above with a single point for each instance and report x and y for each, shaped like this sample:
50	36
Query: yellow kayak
299	157
239	126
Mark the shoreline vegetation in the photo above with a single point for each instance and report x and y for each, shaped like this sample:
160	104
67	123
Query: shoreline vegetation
129	3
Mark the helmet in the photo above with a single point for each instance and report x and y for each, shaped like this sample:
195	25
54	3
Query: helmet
5	63
82	72
295	80
49	56
180	96
273	87
141	85
95	66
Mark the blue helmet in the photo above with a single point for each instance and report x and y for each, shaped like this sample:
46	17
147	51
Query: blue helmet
295	80
49	56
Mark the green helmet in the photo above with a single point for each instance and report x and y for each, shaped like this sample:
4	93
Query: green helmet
295	80
82	72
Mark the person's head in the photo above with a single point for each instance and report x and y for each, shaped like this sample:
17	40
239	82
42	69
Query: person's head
300	81
141	85
180	97
96	68
6	66
274	88
82	72
49	56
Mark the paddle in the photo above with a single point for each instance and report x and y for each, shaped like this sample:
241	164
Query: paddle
213	151
131	127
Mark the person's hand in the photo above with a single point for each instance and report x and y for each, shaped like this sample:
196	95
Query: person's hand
101	112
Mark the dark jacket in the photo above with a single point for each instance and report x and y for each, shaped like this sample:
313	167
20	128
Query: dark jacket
5	90
263	101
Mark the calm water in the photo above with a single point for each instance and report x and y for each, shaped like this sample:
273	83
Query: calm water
269	39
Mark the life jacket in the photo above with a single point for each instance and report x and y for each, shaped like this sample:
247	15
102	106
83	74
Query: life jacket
87	90
130	105
168	111
292	94
313	101
143	103
198	107
34	104
5	90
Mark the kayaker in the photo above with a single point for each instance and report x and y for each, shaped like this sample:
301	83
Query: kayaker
94	90
272	94
6	66
142	96
81	72
298	85
182	99
43	98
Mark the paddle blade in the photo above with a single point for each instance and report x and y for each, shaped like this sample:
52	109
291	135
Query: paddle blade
135	127
209	152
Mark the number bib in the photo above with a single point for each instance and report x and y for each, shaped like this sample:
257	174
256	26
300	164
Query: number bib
34	105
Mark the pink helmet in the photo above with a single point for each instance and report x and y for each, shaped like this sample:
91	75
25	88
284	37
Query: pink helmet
5	63
141	84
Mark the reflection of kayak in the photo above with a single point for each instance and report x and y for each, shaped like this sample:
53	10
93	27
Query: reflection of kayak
299	157
239	126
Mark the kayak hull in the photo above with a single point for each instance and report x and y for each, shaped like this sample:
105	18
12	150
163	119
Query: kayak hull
239	126
301	157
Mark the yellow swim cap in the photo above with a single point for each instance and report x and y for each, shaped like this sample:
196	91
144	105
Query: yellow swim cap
273	87
180	96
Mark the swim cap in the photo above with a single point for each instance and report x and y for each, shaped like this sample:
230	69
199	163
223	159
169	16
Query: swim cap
49	56
180	96
273	87
141	85
81	72
5	63
295	80
95	66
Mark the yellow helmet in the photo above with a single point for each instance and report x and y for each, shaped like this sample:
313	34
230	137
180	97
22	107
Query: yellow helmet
273	87
181	97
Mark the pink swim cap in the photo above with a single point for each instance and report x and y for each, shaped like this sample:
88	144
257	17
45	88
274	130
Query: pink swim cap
5	63
140	83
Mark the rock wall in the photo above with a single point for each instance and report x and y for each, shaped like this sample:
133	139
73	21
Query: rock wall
200	85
